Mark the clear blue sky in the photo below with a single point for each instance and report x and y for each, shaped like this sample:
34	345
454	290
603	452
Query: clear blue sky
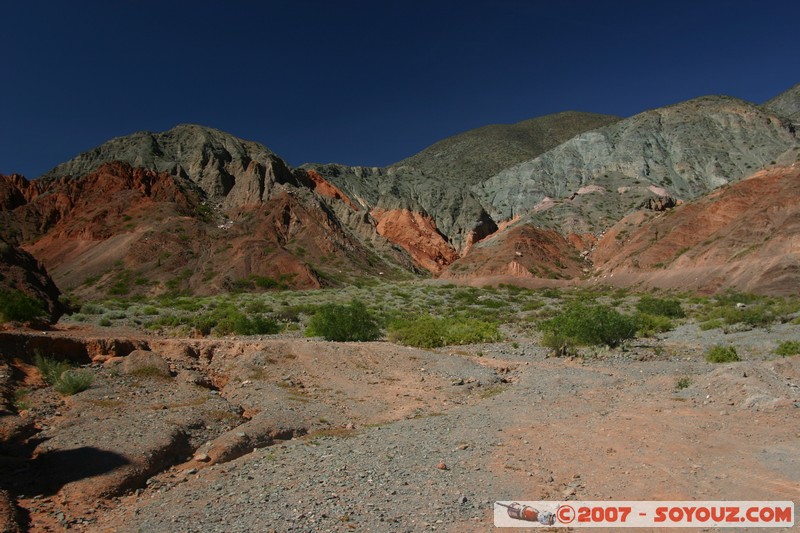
365	82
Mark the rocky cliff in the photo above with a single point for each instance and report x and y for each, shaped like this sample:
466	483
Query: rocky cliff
688	149
231	172
435	182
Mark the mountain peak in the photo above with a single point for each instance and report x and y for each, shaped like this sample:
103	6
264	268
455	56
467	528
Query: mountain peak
163	151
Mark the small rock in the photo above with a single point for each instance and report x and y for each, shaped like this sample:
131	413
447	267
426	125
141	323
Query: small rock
462	500
442	466
191	471
570	491
463	446
202	457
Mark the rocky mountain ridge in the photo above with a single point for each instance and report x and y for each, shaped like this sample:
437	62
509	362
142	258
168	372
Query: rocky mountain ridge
688	149
219	212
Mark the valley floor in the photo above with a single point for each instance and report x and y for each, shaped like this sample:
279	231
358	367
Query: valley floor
379	437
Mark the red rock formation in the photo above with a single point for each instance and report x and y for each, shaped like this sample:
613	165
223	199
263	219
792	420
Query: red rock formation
746	235
320	185
417	234
521	251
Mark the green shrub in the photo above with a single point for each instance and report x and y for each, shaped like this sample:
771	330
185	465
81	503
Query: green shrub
105	322
683	383
561	345
92	309
50	369
722	354
341	323
243	325
787	348
20	401
423	332
759	311
426	331
660	307
591	326
648	325
19	307
711	324
73	381
62	376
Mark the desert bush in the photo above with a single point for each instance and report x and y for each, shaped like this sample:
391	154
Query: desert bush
20	401
92	309
660	307
591	326
758	311
683	383
722	354
49	368
62	376
423	332
648	325
426	331
787	348
73	381
19	307
711	324
341	323
561	345
243	325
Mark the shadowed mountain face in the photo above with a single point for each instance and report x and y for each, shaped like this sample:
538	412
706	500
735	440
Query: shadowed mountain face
473	156
786	104
20	272
197	210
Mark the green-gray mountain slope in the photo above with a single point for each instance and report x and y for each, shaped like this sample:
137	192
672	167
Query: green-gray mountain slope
473	156
230	171
786	104
688	149
436	180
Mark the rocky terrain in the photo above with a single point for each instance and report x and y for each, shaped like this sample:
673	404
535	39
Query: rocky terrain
286	433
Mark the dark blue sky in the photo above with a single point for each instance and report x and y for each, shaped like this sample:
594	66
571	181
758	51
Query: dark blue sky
367	82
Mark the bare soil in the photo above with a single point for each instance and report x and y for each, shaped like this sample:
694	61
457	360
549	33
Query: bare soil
292	434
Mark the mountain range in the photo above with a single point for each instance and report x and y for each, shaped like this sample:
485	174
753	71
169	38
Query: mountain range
701	195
